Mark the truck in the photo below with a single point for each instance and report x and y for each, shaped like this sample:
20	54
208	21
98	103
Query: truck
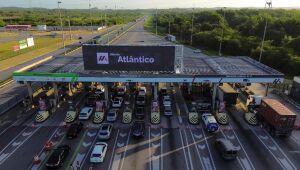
276	117
226	93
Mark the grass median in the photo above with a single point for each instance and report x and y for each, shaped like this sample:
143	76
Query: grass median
42	46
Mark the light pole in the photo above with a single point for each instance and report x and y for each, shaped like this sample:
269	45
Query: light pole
91	16
192	27
268	5
156	21
61	26
222	34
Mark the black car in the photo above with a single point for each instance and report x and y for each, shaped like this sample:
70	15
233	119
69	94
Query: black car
91	101
140	112
58	156
138	128
74	130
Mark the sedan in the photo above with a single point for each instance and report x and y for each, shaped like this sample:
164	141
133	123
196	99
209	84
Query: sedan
74	130
138	128
85	113
99	152
112	115
105	131
58	156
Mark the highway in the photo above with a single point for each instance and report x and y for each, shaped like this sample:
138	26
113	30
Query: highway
172	144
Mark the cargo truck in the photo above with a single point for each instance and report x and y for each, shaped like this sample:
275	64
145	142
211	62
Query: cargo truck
275	117
227	94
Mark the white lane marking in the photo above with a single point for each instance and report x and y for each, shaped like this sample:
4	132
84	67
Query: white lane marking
113	152
259	138
183	148
286	164
16	143
155	162
155	135
292	137
58	133
124	154
12	141
155	145
84	144
26	133
2	156
238	159
5	122
207	163
197	149
6	129
202	147
273	148
263	137
189	152
88	153
242	147
79	158
123	135
90	134
161	150
210	155
120	144
288	159
198	136
149	149
246	164
28	137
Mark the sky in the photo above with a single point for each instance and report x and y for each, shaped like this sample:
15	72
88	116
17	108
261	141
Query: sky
146	4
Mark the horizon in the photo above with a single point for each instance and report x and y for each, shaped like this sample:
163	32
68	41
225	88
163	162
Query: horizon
145	4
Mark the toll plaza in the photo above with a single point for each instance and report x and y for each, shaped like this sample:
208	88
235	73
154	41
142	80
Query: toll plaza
147	64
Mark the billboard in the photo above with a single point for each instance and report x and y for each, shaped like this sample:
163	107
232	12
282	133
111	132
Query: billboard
128	58
30	42
22	44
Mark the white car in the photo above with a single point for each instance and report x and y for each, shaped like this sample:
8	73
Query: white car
167	101
99	152
85	113
117	102
197	51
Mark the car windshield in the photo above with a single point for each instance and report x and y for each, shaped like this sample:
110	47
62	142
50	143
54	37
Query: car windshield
96	155
103	133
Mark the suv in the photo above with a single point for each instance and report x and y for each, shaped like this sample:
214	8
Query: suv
105	131
74	130
138	128
140	112
58	156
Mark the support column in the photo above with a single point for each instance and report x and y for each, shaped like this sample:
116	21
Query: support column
30	91
155	90
106	92
70	90
189	88
215	86
55	93
267	90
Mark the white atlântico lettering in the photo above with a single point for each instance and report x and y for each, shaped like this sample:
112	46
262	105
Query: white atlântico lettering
130	59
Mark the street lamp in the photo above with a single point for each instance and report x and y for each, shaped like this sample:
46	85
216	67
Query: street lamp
91	15
268	5
222	34
61	26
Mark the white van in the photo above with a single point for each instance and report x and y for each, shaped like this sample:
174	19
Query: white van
98	152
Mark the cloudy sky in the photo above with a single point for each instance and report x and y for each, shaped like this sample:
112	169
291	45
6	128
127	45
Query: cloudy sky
142	4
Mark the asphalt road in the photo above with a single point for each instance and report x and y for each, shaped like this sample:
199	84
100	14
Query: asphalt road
172	144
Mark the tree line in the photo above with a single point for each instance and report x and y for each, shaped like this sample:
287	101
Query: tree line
242	33
77	17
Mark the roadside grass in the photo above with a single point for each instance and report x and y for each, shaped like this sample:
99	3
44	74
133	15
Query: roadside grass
43	46
7	34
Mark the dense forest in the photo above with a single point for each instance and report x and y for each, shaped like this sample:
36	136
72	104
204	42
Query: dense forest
78	17
243	32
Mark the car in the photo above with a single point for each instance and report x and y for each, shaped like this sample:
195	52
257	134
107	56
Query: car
112	115
227	150
138	128
98	152
167	100
163	91
168	111
74	130
141	100
71	115
251	118
209	122
85	113
58	156
142	91
121	90
91	101
117	102
105	131
197	51
140	112
41	116
222	118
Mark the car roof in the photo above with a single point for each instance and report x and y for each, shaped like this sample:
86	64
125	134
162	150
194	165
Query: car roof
227	143
85	109
99	147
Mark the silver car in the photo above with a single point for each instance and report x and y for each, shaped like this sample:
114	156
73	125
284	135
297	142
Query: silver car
112	115
105	131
